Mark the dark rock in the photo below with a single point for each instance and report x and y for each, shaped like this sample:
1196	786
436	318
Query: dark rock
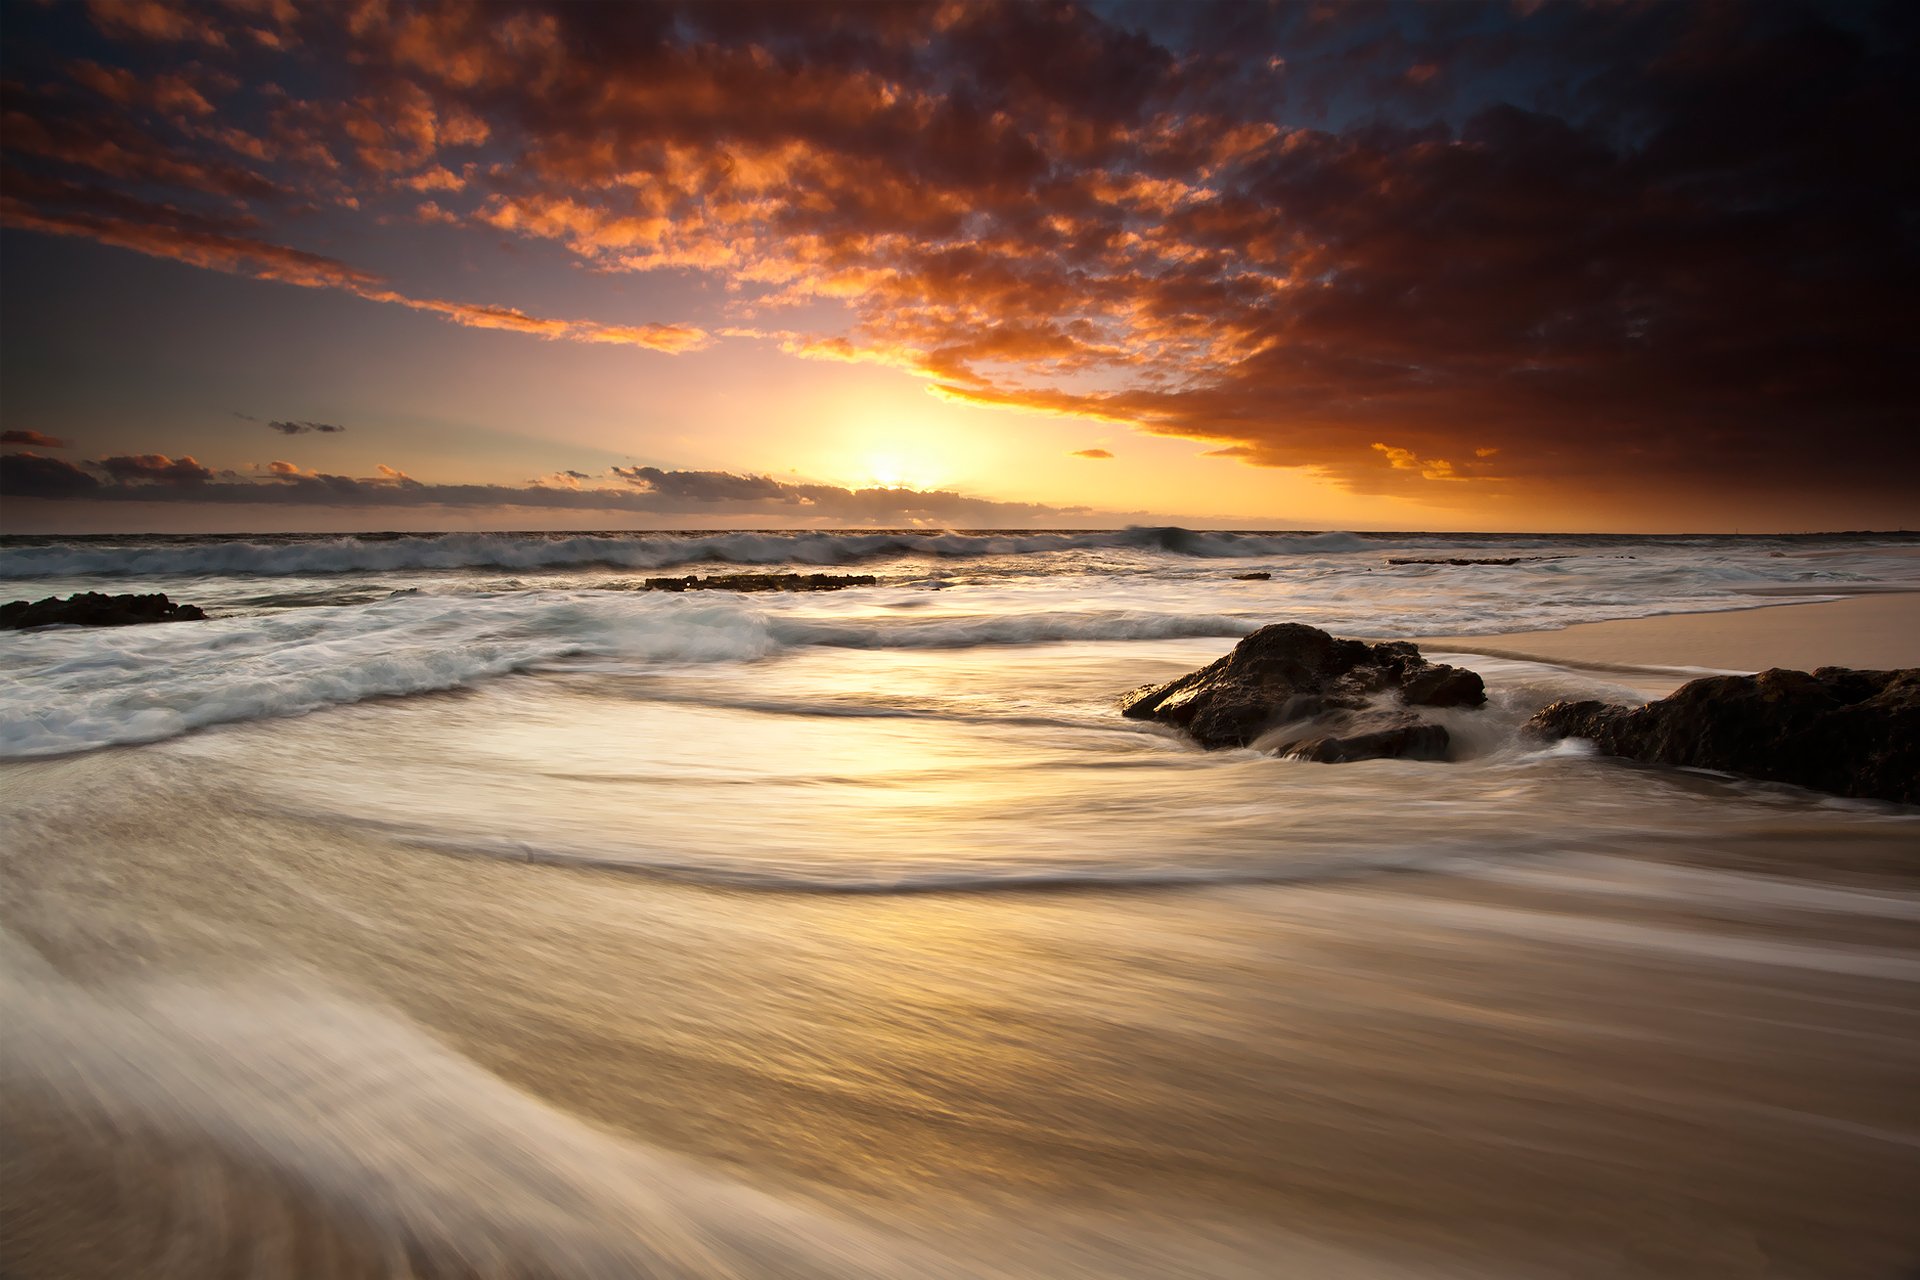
1438	685
764	582
1492	560
1854	733
93	609
1345	697
1412	740
1251	577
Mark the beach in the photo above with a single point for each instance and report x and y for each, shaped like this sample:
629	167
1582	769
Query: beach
857	934
1877	631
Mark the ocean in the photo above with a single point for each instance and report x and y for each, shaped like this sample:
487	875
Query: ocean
452	905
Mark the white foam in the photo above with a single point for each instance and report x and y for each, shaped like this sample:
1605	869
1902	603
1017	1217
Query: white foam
68	691
390	1133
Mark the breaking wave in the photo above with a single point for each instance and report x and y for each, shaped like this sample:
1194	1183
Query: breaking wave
383	1143
281	557
75	693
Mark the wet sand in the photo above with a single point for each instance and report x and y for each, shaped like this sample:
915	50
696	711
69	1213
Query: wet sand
509	1072
1876	632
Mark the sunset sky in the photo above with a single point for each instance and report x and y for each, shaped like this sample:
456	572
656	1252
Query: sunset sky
378	265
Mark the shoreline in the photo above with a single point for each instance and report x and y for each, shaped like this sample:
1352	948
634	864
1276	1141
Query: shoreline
1877	630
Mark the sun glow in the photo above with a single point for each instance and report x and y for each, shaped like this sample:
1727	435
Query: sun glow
898	470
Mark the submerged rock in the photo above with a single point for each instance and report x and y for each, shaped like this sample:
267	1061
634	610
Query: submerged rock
1329	699
1409	740
1456	560
1854	733
94	609
763	582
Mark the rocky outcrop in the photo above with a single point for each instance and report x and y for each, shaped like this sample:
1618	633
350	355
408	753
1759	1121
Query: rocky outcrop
1308	694
1854	733
763	582
93	609
1455	560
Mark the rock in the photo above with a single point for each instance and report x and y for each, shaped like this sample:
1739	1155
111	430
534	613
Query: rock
1438	685
1413	740
93	609
1251	577
1853	733
1343	699
1492	560
763	582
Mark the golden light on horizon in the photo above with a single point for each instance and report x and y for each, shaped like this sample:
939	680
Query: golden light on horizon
898	470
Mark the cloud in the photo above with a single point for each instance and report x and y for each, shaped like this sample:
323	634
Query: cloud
645	491
155	468
170	95
1627	249
156	20
700	486
1427	468
34	438
28	475
302	428
438	178
240	255
1092	453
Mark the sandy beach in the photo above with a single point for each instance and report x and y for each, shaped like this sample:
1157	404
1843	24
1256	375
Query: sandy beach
1876	631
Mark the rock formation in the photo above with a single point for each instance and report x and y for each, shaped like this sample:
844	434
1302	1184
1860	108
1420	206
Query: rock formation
1313	696
93	609
763	582
1854	733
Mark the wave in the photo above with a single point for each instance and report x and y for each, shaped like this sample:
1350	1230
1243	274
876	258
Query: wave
67	690
360	1136
74	691
629	551
931	876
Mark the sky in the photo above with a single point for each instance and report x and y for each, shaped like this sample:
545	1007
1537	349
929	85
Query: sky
505	264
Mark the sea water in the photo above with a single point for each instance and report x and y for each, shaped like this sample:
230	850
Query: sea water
453	905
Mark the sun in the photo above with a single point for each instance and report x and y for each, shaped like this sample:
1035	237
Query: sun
895	469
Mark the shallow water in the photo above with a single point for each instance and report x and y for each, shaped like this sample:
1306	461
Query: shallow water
670	937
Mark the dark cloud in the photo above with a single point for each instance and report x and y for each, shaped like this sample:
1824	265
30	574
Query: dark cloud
157	478
700	486
302	428
28	475
1561	253
34	438
1092	453
184	472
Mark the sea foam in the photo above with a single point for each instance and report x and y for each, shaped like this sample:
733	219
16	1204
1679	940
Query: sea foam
71	691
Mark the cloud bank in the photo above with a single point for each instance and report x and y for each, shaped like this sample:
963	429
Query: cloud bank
1433	251
641	491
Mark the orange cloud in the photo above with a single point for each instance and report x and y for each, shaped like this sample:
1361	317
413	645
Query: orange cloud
1041	207
155	20
264	261
437	178
1407	460
167	94
35	438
